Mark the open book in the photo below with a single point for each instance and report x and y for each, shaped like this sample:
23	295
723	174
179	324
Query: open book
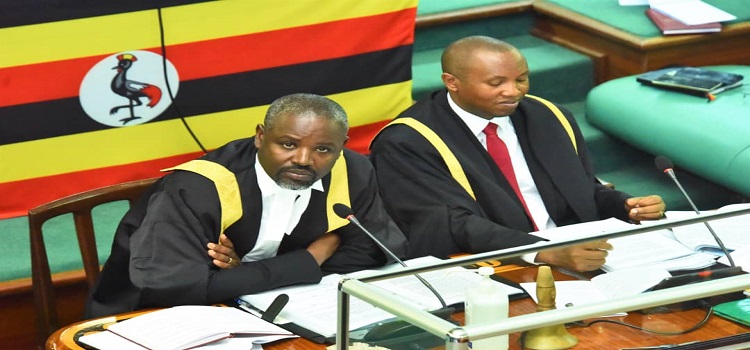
183	327
733	231
314	307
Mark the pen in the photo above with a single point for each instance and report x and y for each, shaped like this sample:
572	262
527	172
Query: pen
248	307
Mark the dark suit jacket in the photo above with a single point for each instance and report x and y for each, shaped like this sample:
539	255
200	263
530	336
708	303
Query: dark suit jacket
438	215
159	256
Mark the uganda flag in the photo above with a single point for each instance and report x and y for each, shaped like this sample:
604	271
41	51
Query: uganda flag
94	93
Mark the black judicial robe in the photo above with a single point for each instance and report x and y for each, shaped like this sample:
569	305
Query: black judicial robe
159	256
440	218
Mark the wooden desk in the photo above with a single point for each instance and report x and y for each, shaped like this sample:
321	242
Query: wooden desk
595	337
617	53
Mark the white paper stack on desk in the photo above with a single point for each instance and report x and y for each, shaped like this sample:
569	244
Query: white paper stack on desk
655	249
314	307
733	231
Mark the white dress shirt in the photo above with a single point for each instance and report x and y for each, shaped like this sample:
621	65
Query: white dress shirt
282	209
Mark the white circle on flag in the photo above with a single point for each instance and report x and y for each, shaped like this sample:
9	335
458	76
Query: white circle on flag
128	88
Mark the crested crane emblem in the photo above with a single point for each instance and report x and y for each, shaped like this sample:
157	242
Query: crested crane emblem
131	89
137	90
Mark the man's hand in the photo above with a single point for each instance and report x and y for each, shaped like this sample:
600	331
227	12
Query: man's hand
223	253
645	208
324	247
583	257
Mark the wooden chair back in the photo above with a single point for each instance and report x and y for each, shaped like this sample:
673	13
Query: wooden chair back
80	205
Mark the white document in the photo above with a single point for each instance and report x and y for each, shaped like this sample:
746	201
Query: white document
691	12
608	286
632	2
183	327
655	249
741	257
733	231
315	306
583	230
109	340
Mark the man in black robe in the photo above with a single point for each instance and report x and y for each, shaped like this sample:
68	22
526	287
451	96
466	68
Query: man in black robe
449	196
253	215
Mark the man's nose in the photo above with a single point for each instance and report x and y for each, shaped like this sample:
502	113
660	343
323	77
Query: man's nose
302	157
512	88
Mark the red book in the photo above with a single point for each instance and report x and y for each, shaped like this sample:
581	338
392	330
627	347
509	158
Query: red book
670	26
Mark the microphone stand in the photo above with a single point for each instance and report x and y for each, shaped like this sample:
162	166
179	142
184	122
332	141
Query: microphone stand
666	164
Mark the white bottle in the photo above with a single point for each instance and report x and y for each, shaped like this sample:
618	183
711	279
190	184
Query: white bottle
487	303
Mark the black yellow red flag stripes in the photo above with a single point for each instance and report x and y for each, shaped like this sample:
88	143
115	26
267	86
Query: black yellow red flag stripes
229	60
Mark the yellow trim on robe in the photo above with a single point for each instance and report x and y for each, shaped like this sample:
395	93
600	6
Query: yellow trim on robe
560	117
226	186
448	157
338	193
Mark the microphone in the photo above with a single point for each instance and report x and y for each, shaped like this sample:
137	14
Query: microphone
345	212
274	309
665	165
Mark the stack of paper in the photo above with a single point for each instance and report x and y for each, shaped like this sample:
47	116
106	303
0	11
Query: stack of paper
655	249
315	308
734	231
608	286
691	12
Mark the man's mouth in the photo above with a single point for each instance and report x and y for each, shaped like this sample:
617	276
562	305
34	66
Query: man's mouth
298	174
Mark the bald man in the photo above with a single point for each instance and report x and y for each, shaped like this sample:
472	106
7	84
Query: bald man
441	183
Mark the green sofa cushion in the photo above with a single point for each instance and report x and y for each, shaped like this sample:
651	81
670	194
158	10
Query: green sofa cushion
709	139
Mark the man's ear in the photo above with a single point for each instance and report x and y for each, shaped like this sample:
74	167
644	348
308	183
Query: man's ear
450	81
346	140
259	135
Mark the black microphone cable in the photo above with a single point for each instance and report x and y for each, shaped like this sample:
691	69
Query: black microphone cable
166	81
666	166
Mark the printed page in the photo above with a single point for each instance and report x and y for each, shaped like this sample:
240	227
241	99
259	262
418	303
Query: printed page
583	230
243	343
733	231
108	340
741	257
315	307
189	326
625	283
650	249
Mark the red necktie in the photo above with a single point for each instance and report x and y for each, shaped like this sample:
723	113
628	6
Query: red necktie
499	153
